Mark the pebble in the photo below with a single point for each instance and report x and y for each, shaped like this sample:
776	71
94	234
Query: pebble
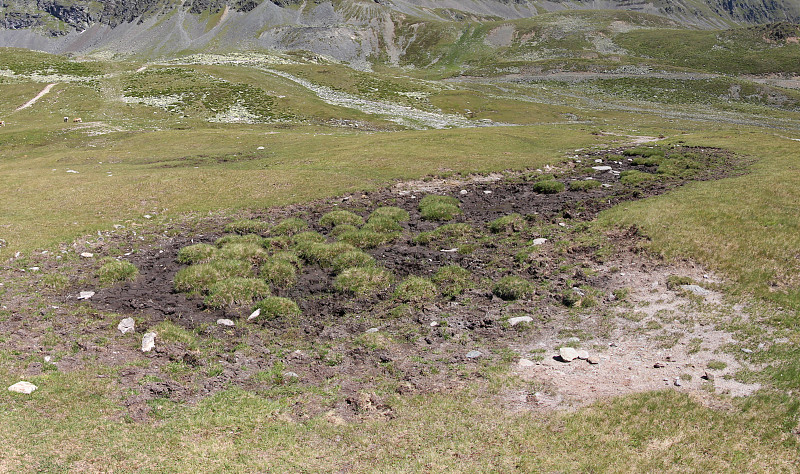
85	295
260	148
487	192
593	359
291	375
574	339
583	354
148	342
747	351
23	387
601	168
698	290
659	365
254	314
87	255
678	382
463	192
539	241
568	354
371	330
126	325
526	363
473	354
520	319
434	324
47	358
225	322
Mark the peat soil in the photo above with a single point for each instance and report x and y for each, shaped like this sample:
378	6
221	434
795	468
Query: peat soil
346	355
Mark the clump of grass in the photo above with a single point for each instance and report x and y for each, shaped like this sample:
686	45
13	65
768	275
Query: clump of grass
274	307
289	226
382	224
452	280
250	252
448	234
323	254
548	186
391	212
196	253
247	226
239	239
674	282
512	288
171	332
352	258
642	161
635	177
55	281
716	365
340	217
236	291
415	289
584	185
439	208
115	271
367	239
342	228
279	272
282	242
510	223
197	279
362	280
289	256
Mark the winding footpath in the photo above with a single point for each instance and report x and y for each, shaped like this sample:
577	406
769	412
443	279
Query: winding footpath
38	96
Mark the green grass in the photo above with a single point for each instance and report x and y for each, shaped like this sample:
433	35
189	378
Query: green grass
362	280
199	278
339	217
236	291
116	271
276	307
452	280
415	289
197	253
512	288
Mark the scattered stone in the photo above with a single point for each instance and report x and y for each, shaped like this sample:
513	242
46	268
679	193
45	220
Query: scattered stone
487	192
678	382
539	241
574	340
520	319
87	255
148	342
47	358
371	330
147	216
593	359
34	269
126	325
434	324
697	290
463	192
72	171
598	160
291	375
254	314
85	295
583	354
526	363
659	365
473	354
601	168
225	322
449	250
23	387
568	354
747	351
708	376
260	148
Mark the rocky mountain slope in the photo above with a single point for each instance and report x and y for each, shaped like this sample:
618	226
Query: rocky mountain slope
356	31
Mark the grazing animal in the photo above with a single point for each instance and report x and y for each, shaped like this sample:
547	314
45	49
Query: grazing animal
77	120
66	119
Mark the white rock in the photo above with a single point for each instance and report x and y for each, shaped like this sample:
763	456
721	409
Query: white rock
574	339
594	360
539	241
520	319
148	342
72	171
598	160
260	148
225	322
526	363
568	354
147	216
291	375
85	295
463	192
126	325
434	324
47	358
23	387
254	314
697	290
371	330
601	168
583	354
87	255
487	192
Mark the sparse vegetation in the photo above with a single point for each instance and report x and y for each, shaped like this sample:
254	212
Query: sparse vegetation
415	290
339	217
512	288
439	208
276	307
236	291
362	280
116	271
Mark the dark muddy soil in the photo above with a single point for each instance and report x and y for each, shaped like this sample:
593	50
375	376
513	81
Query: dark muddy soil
348	353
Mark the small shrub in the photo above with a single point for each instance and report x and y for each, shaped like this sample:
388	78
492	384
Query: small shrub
247	226
236	291
452	280
510	223
288	226
362	280
415	289
341	229
635	177
280	273
391	212
367	239
249	252
239	239
439	208
353	258
584	185
339	217
512	288
549	186
115	271
275	307
382	224
200	277
196	253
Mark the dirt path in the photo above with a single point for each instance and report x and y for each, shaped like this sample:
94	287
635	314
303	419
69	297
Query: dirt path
38	96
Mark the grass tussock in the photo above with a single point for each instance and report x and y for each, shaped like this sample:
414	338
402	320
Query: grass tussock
116	271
